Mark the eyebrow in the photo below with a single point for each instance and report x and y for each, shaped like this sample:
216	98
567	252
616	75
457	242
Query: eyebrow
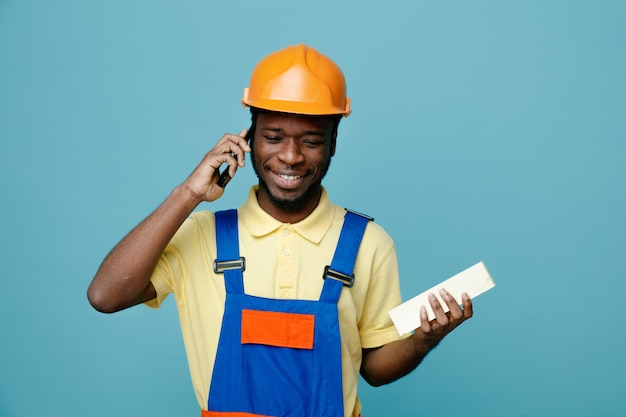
305	133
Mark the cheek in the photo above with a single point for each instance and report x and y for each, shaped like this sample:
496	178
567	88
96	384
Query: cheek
324	157
259	151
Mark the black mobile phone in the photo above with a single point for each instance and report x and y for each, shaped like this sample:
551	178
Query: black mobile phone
224	178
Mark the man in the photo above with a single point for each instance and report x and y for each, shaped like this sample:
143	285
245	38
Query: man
279	314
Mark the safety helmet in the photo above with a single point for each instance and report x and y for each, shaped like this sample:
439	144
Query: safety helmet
298	79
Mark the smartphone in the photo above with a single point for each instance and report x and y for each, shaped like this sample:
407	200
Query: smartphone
225	176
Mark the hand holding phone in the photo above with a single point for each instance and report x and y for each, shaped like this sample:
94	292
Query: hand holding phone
225	177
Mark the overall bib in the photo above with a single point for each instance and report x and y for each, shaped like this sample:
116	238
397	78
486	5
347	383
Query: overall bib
280	358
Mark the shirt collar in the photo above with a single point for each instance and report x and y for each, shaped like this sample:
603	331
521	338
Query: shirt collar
313	227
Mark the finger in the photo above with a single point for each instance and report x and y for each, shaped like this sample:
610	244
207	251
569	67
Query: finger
468	308
244	134
424	323
233	164
214	160
453	306
241	146
240	139
235	137
231	153
440	315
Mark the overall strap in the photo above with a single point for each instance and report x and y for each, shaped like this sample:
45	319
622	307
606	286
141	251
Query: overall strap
340	272
228	260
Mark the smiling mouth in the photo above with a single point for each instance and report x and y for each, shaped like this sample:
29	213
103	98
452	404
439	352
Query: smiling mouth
289	177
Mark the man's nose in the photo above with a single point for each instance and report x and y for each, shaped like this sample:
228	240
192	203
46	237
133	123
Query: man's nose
290	153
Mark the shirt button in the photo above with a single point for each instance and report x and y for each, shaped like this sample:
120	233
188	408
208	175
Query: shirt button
287	252
287	273
286	232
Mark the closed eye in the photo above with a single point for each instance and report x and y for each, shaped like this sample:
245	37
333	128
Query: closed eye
314	143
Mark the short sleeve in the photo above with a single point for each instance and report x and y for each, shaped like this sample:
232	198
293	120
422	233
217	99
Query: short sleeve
375	327
163	276
172	268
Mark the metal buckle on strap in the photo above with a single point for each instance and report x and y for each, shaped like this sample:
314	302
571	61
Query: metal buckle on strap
346	280
369	218
220	266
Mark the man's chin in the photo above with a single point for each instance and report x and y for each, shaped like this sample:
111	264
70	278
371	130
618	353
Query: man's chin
289	201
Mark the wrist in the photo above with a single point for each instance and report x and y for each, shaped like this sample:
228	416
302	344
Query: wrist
423	341
185	195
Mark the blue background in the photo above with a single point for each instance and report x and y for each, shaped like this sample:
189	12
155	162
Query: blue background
482	130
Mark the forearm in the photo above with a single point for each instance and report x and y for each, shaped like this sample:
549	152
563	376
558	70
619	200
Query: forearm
390	362
123	279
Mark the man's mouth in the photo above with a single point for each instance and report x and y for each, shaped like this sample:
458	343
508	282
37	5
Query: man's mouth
289	177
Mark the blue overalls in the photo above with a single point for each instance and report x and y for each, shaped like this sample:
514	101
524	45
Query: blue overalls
280	357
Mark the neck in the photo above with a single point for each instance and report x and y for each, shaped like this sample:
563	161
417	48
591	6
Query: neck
292	211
